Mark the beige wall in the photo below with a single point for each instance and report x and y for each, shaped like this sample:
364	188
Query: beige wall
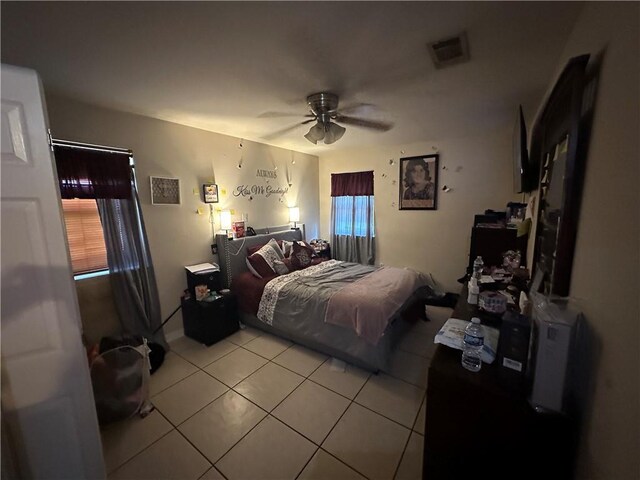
177	235
477	169
606	263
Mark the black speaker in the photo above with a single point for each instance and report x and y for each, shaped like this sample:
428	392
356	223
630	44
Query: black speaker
513	349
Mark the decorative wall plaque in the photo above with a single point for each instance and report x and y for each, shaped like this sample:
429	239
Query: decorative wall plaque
165	191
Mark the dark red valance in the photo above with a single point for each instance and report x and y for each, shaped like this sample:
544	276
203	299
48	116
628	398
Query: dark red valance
352	184
92	173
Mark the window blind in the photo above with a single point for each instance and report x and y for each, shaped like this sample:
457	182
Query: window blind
85	235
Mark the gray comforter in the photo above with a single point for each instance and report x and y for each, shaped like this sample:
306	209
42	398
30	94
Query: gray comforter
314	295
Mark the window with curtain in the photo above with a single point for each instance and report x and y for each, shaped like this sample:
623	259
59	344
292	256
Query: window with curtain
85	235
103	214
84	176
352	217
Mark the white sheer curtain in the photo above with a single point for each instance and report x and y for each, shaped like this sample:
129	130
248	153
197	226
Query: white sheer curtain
353	229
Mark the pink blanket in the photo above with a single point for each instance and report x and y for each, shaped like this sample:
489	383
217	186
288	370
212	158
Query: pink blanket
368	304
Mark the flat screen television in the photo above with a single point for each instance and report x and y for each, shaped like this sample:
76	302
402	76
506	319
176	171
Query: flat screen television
523	175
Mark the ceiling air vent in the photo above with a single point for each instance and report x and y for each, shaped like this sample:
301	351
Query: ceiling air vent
449	51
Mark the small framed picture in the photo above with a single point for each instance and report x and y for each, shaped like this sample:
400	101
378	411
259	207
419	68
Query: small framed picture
210	191
419	182
165	191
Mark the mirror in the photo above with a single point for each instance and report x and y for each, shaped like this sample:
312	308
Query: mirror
559	145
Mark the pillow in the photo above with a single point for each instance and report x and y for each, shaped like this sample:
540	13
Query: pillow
281	267
252	250
287	263
262	263
286	248
300	255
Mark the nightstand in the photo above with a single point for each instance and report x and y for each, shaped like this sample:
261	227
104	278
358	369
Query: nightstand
325	252
209	322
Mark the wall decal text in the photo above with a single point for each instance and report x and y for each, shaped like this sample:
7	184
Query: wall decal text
266	173
267	191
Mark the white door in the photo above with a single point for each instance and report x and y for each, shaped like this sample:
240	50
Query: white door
47	400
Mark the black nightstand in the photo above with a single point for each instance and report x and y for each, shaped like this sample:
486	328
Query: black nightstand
325	253
209	322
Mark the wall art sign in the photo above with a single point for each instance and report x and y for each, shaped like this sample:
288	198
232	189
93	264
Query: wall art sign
165	191
419	182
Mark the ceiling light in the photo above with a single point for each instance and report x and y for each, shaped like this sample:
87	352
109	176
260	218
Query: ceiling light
334	132
328	131
315	133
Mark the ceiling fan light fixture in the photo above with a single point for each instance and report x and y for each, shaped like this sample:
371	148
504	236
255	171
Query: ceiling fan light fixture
316	133
334	132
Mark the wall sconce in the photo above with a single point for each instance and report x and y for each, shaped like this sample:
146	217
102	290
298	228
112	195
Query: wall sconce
225	221
294	216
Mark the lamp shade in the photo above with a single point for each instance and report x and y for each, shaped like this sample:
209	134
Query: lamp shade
334	132
315	133
225	220
294	214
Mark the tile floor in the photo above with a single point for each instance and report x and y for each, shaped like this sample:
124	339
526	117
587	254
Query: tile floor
254	406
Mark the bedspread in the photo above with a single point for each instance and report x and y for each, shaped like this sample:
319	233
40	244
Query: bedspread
360	297
368	304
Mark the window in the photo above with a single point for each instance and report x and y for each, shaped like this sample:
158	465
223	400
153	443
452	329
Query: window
85	235
352	223
352	216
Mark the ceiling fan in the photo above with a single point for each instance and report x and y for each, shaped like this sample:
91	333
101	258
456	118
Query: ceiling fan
324	112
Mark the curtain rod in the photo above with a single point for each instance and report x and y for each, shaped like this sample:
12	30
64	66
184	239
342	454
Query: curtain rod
88	146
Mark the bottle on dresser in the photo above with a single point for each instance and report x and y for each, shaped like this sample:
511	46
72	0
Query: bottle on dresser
474	291
472	344
478	266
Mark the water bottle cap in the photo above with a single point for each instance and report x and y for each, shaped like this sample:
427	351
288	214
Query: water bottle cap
475	320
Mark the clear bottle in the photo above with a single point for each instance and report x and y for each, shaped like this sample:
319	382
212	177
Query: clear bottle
474	291
478	265
472	345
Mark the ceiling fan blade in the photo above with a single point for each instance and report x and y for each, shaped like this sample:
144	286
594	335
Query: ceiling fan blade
280	115
283	131
356	107
361	122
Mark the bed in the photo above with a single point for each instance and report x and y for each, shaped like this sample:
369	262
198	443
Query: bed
318	306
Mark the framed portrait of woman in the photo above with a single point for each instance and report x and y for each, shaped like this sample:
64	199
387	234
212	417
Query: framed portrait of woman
419	182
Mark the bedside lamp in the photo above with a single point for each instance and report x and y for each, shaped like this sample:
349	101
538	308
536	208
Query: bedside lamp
225	221
294	216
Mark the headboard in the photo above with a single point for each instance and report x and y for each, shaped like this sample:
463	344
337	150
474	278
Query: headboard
232	253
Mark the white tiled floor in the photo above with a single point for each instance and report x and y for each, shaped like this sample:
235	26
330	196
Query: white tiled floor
254	406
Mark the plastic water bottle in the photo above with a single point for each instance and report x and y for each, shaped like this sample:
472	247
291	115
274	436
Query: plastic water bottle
472	345
478	265
474	292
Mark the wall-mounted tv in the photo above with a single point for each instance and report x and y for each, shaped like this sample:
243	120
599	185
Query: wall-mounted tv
524	176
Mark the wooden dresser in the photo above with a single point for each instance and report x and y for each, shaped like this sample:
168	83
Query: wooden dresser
483	421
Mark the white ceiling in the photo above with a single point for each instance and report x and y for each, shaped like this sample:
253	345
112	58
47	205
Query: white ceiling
221	66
